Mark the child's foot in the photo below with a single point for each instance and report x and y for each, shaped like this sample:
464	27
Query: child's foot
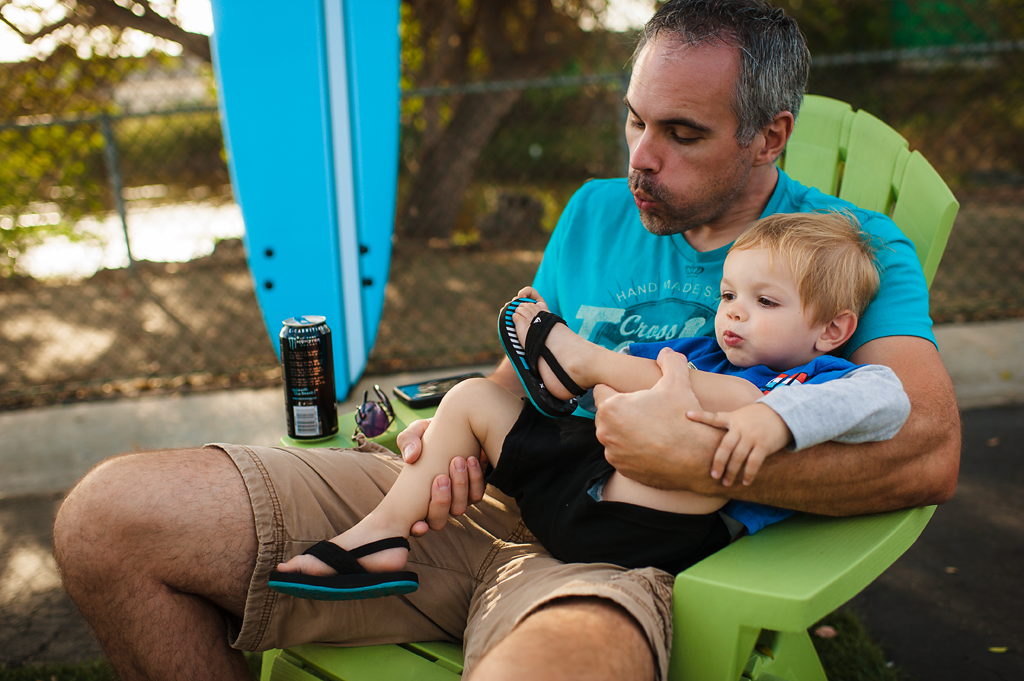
387	560
571	350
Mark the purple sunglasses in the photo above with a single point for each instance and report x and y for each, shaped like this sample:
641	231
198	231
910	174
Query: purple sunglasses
373	418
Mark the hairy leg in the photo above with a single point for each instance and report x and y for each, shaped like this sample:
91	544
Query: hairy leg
475	413
152	547
572	638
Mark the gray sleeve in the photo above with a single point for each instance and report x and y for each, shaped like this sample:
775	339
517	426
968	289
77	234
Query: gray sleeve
866	405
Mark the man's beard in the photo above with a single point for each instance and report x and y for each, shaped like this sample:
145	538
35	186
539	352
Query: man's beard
675	216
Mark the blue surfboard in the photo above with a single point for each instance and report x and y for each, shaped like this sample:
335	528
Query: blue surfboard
309	97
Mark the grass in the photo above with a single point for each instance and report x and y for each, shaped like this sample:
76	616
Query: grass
851	655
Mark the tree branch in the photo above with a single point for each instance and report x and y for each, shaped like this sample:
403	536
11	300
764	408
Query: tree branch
109	13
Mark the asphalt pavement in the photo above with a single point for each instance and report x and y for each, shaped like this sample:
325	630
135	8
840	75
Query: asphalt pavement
951	608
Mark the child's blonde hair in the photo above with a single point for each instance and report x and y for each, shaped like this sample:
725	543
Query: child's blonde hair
832	259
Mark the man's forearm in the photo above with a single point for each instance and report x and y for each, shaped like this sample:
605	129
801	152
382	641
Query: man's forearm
917	467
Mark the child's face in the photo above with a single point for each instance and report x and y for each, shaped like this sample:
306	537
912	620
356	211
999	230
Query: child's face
760	319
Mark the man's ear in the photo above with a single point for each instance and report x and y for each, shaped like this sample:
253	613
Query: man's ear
836	332
774	137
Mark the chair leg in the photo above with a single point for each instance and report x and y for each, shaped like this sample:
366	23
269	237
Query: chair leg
792	657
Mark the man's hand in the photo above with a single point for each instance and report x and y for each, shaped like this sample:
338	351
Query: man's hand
754	433
450	494
647	438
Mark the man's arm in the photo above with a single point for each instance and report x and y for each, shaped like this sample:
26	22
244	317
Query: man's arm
644	432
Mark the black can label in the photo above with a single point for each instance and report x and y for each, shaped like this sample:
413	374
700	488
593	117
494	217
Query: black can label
308	364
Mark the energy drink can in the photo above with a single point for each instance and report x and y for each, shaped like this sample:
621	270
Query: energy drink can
308	362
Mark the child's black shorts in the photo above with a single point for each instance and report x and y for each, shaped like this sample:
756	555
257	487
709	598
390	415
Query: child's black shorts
550	465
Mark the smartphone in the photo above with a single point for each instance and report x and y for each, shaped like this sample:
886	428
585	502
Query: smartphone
429	393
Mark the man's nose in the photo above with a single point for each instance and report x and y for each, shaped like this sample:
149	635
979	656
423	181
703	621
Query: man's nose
643	154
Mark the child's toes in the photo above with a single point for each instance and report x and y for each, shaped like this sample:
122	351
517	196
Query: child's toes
306	565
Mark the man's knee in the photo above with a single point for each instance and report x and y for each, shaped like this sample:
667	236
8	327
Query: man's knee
119	503
585	637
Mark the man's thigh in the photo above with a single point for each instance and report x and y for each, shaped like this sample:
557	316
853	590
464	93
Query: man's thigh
300	497
524	578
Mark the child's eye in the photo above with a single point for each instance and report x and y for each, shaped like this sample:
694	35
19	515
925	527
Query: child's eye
765	302
727	296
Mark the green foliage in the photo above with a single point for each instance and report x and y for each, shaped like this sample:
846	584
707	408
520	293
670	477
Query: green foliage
48	181
53	174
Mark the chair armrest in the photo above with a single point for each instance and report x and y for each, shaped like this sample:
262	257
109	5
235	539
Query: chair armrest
784	578
404	415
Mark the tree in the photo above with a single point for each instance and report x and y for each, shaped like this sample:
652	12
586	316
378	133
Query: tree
444	42
448	42
85	23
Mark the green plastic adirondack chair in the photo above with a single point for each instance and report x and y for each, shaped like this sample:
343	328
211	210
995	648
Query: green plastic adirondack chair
744	611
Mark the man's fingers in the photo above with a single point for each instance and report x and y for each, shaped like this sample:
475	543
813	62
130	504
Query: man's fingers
459	473
476	481
675	370
602	393
410	440
530	292
440	503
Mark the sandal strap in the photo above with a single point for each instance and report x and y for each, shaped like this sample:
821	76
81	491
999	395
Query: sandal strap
536	339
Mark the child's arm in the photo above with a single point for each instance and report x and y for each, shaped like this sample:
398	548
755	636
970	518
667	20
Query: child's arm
865	405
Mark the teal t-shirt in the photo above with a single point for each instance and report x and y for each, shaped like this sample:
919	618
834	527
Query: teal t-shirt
616	283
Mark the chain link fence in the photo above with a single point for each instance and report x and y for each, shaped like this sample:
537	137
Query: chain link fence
123	272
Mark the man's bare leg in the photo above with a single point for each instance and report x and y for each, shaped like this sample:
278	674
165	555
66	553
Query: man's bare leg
149	545
578	638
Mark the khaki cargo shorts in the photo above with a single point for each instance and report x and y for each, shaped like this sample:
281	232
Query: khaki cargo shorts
479	577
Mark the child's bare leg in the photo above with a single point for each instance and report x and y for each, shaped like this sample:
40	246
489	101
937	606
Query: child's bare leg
475	413
586	363
589	364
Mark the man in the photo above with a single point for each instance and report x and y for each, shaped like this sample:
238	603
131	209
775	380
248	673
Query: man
159	549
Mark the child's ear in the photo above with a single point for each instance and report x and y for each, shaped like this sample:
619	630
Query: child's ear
836	332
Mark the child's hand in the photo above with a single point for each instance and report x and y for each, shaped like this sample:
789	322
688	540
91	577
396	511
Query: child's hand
754	433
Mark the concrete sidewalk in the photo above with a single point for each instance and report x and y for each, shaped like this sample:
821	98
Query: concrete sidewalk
47	449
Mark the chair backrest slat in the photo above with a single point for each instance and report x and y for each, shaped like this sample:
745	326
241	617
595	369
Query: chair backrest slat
857	157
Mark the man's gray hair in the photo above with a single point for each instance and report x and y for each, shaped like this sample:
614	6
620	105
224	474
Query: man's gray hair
774	57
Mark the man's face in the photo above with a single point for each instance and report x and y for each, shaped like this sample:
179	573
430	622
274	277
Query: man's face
686	167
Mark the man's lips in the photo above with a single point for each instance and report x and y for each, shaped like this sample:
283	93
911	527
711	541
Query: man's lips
643	200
